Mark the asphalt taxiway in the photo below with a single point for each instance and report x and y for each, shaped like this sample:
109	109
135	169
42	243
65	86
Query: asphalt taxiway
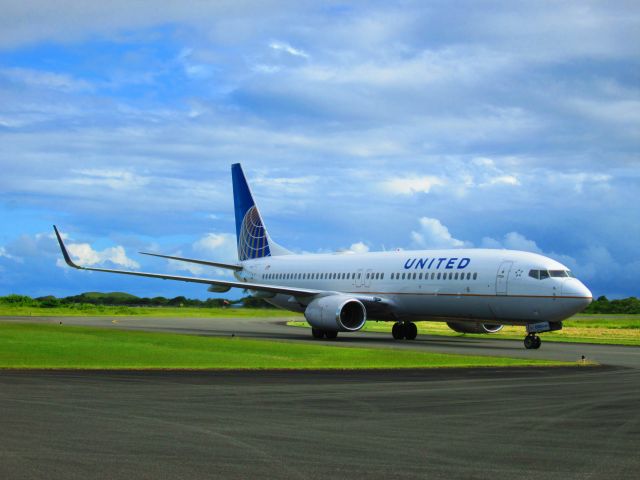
507	423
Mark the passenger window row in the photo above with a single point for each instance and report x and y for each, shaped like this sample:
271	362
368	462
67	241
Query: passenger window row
371	276
318	276
435	276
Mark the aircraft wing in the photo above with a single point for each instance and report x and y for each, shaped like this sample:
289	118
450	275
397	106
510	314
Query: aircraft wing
295	291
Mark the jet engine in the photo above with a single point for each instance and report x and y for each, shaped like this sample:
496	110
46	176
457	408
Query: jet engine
474	327
336	313
218	289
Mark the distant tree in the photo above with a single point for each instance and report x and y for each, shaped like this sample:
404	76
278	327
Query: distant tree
254	302
177	301
48	302
17	300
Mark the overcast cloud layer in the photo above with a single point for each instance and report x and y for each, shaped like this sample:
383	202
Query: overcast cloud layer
361	125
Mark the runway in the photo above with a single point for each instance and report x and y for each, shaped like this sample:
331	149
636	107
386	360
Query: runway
565	423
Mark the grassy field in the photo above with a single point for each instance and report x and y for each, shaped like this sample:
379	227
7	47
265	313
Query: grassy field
583	328
45	346
178	312
609	329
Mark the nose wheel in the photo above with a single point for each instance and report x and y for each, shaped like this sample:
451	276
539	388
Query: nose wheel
532	342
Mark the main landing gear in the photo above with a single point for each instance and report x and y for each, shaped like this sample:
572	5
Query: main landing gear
532	341
406	330
318	333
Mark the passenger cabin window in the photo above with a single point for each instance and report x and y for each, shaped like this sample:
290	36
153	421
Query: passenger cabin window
475	276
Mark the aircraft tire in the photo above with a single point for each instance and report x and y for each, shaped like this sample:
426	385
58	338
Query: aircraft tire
331	335
411	331
398	331
530	342
317	333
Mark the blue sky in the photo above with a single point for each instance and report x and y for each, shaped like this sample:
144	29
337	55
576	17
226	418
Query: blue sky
362	125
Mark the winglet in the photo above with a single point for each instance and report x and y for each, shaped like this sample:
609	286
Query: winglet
65	254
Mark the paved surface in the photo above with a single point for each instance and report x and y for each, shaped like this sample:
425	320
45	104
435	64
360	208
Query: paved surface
490	423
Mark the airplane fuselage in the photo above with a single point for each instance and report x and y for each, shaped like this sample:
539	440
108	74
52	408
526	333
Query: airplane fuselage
458	284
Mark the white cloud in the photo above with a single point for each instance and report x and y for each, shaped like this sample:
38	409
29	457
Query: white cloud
512	241
85	255
358	247
48	80
433	234
412	185
3	253
115	179
285	47
578	181
219	247
502	180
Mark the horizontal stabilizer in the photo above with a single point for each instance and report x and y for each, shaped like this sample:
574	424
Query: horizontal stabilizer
228	266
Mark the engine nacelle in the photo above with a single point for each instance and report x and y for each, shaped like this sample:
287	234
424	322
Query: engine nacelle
474	327
218	289
336	313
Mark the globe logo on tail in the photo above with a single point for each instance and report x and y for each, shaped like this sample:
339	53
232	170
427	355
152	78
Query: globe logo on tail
253	237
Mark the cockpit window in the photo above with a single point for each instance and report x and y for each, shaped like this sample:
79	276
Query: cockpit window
542	274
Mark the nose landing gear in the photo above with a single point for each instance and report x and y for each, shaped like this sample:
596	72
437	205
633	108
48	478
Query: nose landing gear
532	341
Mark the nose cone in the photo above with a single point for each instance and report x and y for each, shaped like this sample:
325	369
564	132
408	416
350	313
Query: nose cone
574	288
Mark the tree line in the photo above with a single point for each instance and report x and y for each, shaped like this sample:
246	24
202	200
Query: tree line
121	299
602	304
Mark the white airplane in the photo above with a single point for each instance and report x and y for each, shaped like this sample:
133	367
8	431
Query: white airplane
473	290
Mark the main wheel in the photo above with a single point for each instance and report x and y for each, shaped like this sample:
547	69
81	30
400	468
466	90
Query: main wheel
331	335
317	333
411	331
537	342
398	331
529	342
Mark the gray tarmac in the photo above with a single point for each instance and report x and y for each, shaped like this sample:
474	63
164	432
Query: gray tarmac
468	423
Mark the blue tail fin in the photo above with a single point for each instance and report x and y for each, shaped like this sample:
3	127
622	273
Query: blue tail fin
251	234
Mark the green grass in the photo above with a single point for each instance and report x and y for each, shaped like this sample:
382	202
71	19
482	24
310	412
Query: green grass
178	312
46	346
593	328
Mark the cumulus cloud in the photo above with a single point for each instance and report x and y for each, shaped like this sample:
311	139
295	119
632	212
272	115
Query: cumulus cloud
219	247
433	234
85	255
512	241
358	247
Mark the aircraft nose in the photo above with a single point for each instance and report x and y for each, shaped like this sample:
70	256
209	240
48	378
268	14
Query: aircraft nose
575	288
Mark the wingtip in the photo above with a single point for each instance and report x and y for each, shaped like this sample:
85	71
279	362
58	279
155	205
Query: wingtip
65	254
